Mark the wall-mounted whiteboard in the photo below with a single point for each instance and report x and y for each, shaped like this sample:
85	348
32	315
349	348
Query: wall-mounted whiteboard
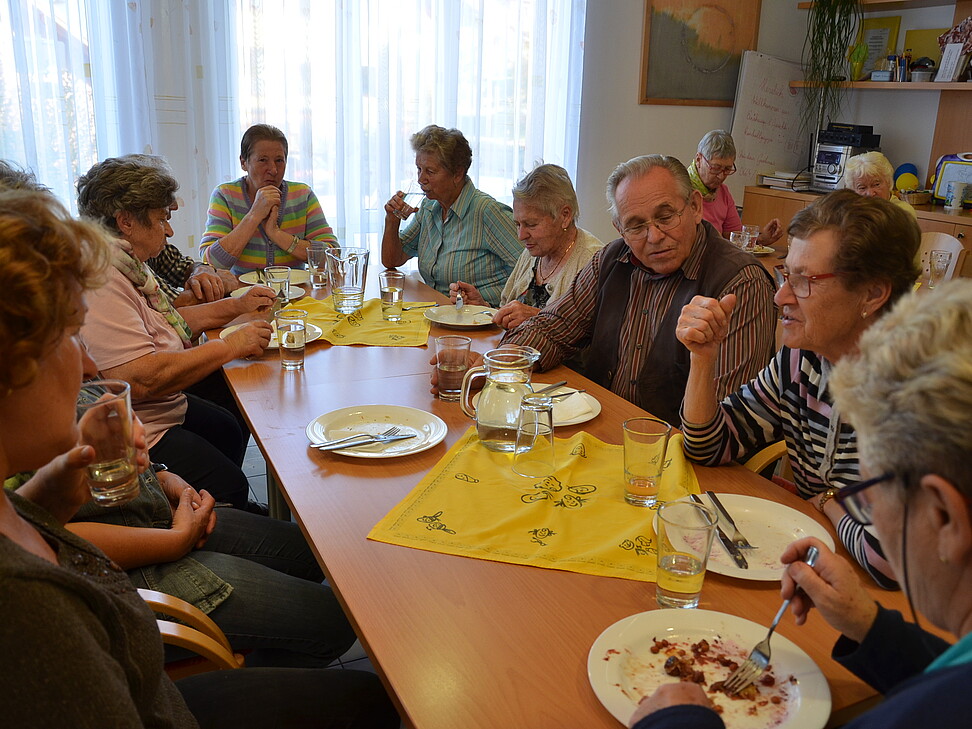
766	121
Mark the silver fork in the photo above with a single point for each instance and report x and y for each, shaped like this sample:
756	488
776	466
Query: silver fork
328	443
754	666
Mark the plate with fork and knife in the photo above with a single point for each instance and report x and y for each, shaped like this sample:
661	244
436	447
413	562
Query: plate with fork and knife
376	431
626	662
768	527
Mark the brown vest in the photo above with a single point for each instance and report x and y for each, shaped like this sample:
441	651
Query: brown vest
661	382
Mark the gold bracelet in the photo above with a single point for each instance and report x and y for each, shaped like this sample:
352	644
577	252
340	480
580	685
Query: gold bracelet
293	246
826	496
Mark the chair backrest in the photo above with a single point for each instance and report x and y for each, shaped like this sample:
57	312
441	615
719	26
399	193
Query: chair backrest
942	242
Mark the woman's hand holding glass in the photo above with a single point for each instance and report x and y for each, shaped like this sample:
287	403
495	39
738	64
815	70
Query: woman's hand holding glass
399	206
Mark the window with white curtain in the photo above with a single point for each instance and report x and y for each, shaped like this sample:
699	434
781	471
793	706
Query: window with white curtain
348	81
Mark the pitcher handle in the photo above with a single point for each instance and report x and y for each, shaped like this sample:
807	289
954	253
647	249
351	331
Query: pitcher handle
465	402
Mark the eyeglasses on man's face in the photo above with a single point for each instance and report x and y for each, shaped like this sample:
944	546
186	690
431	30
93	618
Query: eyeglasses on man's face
799	283
664	223
719	169
856	502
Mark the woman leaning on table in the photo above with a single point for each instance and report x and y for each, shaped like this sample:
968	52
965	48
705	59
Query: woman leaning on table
133	332
545	213
850	259
80	648
459	233
714	162
262	219
909	394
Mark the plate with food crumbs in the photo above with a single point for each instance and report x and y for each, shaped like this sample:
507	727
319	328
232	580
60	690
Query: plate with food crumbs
636	655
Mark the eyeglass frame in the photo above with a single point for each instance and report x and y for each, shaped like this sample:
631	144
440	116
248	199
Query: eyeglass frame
783	276
639	237
847	498
719	169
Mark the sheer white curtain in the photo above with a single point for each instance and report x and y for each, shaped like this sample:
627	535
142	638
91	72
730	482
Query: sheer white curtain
347	80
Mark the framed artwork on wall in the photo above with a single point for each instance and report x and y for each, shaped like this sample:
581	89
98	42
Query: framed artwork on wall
692	49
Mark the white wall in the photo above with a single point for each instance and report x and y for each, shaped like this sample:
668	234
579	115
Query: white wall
615	127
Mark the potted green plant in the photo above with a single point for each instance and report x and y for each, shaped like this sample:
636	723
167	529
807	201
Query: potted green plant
830	26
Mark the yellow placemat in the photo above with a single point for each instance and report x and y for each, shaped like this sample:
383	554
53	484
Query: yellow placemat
366	326
472	504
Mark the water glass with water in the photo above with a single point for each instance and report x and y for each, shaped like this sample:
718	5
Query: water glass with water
347	269
392	285
452	361
291	325
106	426
316	265
278	278
938	262
685	532
752	235
645	446
533	454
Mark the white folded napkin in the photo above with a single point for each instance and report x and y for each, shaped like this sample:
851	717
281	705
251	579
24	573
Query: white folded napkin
571	407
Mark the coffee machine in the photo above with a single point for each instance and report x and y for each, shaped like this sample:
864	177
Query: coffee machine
835	145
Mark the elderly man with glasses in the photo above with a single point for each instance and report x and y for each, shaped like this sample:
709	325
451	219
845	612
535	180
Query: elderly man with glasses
714	162
623	306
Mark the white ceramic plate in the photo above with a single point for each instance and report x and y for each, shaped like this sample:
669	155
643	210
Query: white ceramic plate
294	292
763	251
297	276
312	333
429	429
470	316
768	526
622	669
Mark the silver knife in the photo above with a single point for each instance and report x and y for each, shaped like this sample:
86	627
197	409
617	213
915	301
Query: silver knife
737	536
731	548
368	440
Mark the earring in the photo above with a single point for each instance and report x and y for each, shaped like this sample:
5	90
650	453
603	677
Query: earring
864	314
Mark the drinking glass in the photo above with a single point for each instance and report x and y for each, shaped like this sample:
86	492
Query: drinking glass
347	269
392	284
752	234
533	454
685	532
106	426
451	363
291	337
938	262
645	445
278	278
317	265
412	196
739	239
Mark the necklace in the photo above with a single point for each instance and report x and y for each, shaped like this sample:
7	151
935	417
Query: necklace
544	279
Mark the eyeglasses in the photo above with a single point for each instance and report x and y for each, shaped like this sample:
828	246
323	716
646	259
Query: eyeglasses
798	282
665	222
719	169
855	502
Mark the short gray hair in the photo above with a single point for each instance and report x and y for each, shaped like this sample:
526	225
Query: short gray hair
121	184
717	144
449	145
908	390
869	164
641	166
548	188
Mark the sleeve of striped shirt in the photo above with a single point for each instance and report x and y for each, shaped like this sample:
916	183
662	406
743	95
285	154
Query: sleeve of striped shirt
866	549
751	340
218	223
745	422
565	326
498	221
316	227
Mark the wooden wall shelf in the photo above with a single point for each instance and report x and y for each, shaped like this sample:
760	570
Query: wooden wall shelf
897	85
873	6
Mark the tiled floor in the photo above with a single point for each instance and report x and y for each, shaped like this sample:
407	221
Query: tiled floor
255	469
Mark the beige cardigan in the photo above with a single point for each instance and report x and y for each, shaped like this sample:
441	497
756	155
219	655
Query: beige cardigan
585	247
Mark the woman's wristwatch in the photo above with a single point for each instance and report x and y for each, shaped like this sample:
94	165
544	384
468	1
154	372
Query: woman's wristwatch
827	496
294	244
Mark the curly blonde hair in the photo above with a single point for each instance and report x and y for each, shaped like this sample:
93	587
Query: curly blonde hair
46	259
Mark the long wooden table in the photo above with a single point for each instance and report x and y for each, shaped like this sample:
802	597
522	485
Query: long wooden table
459	641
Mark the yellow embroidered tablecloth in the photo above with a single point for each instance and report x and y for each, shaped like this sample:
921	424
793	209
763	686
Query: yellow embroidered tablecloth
473	504
366	326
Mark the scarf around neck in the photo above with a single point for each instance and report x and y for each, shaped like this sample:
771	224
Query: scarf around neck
123	258
707	194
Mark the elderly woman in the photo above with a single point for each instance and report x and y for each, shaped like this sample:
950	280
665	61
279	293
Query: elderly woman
870	174
850	259
909	394
134	334
79	646
262	219
713	163
459	232
545	212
